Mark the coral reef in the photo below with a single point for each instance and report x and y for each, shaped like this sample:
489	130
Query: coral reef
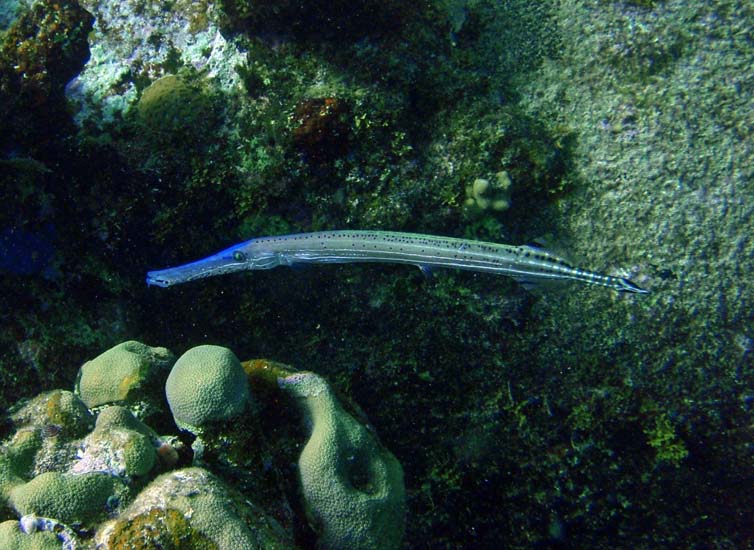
12	537
47	430
352	486
195	509
128	373
570	420
207	384
119	445
128	53
69	498
66	479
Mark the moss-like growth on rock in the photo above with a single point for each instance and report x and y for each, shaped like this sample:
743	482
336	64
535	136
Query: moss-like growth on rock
167	529
215	517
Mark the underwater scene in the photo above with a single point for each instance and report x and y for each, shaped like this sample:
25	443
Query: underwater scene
214	333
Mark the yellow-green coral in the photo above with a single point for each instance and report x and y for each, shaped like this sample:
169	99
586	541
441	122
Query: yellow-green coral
166	529
59	408
213	512
17	460
352	486
12	538
124	373
206	384
44	426
10	476
120	445
170	109
67	498
484	194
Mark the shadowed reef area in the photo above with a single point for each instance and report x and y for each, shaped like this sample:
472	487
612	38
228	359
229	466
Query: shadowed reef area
141	135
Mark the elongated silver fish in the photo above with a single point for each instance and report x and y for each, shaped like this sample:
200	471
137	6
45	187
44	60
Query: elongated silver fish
528	265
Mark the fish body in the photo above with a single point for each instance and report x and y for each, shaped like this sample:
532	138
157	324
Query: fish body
526	264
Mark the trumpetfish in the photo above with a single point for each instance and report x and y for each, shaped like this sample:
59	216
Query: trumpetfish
529	265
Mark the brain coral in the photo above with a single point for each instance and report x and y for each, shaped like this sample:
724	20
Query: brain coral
12	538
171	110
67	498
352	486
125	373
206	384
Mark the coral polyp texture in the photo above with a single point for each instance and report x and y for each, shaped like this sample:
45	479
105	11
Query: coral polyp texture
125	373
99	477
215	516
344	463
12	537
69	498
120	445
207	384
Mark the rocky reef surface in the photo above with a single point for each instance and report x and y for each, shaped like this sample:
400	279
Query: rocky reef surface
81	470
138	135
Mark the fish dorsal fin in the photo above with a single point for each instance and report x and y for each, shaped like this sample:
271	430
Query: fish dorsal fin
551	245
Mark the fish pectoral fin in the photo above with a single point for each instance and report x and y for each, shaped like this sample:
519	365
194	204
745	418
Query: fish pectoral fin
426	270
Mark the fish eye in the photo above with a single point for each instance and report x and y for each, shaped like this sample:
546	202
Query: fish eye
239	256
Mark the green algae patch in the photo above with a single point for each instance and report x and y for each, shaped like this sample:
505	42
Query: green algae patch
668	446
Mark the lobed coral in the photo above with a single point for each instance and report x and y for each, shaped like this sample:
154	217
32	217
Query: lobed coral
47	427
12	537
213	516
120	445
63	483
68	498
352	486
484	194
126	373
